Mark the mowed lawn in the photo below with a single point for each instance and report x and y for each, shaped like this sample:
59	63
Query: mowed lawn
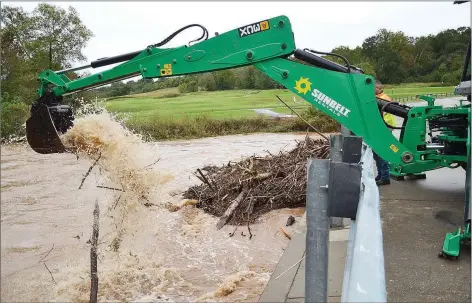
227	104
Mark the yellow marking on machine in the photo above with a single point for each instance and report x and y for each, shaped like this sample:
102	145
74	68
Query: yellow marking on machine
264	25
167	70
394	148
303	85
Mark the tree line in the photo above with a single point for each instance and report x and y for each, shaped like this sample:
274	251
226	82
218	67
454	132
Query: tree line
392	57
246	77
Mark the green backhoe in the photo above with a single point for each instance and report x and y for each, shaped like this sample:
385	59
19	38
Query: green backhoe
431	136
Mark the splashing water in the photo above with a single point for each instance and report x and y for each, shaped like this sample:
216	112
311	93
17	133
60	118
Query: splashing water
153	253
102	138
228	286
130	279
99	135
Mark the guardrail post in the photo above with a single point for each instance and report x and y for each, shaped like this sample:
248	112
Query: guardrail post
317	235
335	154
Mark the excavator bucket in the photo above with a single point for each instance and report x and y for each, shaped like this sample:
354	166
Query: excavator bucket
48	118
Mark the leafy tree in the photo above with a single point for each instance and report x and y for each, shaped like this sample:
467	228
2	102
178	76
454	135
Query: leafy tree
60	34
207	82
246	77
48	37
192	86
18	72
188	87
262	81
367	67
225	79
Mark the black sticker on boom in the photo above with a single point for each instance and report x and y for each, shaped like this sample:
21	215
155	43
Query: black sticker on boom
254	28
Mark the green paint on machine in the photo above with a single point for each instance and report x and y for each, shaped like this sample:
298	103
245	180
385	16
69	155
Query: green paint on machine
343	92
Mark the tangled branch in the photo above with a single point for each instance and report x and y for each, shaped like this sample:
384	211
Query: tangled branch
258	184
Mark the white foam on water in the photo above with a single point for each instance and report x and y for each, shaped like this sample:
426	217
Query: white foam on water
123	154
128	278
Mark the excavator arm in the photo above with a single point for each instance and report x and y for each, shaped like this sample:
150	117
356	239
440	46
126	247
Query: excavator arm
343	92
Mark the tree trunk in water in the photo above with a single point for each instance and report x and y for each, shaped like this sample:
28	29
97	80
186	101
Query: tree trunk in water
93	256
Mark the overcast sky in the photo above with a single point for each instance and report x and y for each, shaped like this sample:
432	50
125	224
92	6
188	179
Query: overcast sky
121	27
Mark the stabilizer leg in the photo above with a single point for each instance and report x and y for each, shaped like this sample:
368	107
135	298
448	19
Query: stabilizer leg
453	241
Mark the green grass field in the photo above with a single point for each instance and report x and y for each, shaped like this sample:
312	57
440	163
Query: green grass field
228	104
166	114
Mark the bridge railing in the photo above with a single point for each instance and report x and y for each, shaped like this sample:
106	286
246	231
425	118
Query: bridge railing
344	187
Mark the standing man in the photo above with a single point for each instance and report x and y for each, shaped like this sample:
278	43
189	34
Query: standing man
383	168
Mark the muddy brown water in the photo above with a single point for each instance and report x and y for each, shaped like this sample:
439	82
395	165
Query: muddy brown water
155	255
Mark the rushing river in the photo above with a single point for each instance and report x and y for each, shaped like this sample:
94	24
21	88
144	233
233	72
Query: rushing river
146	252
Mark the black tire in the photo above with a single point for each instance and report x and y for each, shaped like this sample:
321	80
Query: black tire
464	165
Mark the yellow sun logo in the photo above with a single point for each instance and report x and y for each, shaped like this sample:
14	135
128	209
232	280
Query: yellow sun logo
302	85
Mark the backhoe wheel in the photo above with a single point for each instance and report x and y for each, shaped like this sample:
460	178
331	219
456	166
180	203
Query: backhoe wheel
442	255
398	178
464	165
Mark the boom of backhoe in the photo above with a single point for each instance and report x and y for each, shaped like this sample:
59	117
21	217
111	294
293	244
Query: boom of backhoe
431	136
344	93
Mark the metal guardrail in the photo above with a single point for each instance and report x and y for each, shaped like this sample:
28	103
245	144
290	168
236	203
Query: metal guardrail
344	187
364	273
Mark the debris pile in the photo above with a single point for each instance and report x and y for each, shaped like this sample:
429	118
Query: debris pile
240	192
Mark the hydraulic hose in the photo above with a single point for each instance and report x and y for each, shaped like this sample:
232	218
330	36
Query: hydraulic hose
129	56
113	60
393	108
